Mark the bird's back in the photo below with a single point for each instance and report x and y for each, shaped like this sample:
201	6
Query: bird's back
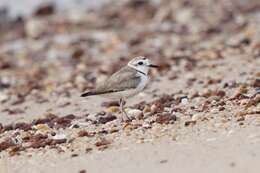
124	79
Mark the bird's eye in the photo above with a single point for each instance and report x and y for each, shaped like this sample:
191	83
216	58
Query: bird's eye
140	63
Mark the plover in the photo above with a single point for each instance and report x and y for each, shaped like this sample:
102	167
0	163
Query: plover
127	82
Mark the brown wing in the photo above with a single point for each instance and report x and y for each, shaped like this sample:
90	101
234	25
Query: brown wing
124	79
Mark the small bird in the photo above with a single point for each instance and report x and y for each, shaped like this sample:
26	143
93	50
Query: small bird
128	81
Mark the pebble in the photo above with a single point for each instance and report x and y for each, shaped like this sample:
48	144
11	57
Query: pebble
243	101
59	136
147	109
35	27
184	101
24	134
214	110
165	118
3	97
146	125
167	109
154	108
135	113
195	117
113	109
42	128
106	118
188	123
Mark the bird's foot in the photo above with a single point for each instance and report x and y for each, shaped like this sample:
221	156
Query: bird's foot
125	117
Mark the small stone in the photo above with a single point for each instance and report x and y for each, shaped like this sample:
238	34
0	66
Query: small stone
256	83
3	97
232	164
146	125
239	94
113	130
74	155
45	9
154	108
253	101
35	27
58	141
14	150
140	141
106	118
63	122
196	117
165	118
129	127
24	135
110	104
102	142
45	118
59	136
23	126
214	110
83	133
243	101
146	109
42	127
135	113
188	123
221	108
6	144
208	93
88	150
242	118
167	109
82	171
184	101
163	161
74	126
113	109
240	123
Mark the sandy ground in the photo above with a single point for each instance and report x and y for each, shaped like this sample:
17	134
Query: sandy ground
233	152
200	112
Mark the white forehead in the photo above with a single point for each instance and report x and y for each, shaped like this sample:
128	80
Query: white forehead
139	59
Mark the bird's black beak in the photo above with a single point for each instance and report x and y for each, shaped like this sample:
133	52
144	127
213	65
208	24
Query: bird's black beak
153	66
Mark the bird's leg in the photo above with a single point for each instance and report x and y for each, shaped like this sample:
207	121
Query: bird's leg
124	114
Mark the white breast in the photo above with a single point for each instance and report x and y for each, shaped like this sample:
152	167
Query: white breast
139	88
143	83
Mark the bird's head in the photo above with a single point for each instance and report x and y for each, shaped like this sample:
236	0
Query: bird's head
141	64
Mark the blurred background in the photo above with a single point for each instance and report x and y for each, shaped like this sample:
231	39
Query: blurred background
85	38
27	7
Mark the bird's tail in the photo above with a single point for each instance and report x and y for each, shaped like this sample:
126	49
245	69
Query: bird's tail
89	93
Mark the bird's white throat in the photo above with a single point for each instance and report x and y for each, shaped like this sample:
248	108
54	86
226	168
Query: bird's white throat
141	69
